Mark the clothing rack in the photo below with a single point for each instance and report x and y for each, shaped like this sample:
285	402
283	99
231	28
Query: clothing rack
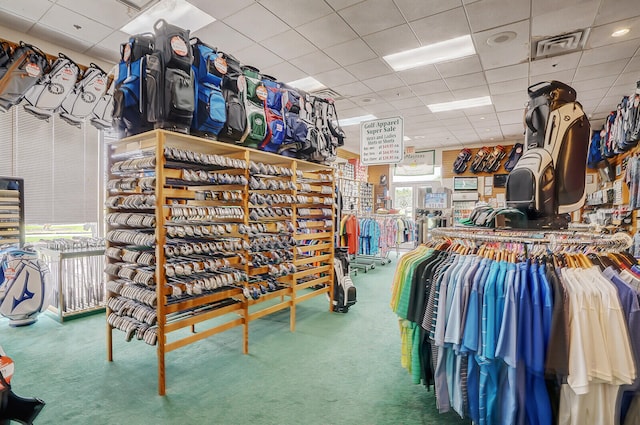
553	238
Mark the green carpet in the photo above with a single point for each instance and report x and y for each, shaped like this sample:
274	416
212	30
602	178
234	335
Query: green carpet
335	369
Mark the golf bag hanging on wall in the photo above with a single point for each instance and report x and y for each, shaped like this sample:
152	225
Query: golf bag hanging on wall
25	68
549	179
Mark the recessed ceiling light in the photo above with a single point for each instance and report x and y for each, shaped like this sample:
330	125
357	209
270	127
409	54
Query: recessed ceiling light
487	129
620	32
481	118
420	137
367	100
460	104
406	138
307	84
177	12
501	37
356	120
432	53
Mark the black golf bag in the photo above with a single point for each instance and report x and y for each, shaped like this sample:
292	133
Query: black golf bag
169	79
549	179
344	291
25	68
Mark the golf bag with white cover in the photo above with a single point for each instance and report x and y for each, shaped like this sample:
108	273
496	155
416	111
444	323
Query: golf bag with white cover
85	95
549	179
25	289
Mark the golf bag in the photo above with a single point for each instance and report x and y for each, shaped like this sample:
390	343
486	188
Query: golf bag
460	164
85	96
256	94
344	291
296	129
102	114
273	110
129	112
210	113
549	179
169	79
21	72
234	92
47	95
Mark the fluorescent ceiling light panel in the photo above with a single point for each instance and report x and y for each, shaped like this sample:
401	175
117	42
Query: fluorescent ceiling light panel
177	12
307	84
406	138
460	104
433	53
356	120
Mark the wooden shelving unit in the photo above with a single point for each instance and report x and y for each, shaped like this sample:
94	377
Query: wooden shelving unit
245	234
11	211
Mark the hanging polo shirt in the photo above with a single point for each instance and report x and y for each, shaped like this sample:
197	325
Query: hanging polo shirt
523	343
557	363
506	348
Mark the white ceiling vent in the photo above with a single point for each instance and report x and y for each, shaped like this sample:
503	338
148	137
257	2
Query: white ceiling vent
560	44
328	94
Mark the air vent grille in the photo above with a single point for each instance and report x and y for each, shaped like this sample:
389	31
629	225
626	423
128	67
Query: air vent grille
328	94
560	44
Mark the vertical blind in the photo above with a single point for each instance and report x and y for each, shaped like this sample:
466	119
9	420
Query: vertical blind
60	165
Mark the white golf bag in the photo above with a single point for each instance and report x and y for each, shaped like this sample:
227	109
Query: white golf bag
47	95
85	95
549	179
102	114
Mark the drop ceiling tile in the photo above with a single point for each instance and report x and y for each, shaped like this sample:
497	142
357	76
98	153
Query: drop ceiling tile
297	12
457	67
314	63
70	43
221	9
289	45
395	94
372	16
511	117
110	56
226	38
419	75
628	78
449	114
487	14
509	102
551	17
352	89
512	130
484	126
610	103
430	99
258	56
411	102
441	27
411	112
429	87
511	86
369	69
392	40
507	73
14	22
352	113
471	92
416	9
596	83
600	70
555	64
341	4
466	81
31	10
459	123
112	41
115	16
487	111
343	104
616	10
336	77
564	76
285	72
504	54
384	82
63	20
595	94
623	50
327	31
265	24
601	36
379	108
351	52
634	64
485	116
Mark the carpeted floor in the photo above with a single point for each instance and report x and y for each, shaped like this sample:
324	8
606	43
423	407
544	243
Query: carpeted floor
335	369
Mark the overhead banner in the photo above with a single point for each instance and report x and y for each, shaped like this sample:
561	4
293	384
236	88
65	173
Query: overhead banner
382	141
416	164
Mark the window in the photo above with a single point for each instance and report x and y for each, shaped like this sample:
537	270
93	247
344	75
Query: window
60	165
